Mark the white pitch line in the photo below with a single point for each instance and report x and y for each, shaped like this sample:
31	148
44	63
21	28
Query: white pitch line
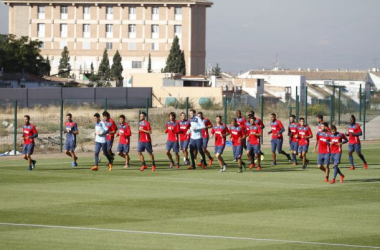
188	235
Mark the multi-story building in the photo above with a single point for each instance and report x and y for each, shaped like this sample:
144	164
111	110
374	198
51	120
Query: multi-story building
136	28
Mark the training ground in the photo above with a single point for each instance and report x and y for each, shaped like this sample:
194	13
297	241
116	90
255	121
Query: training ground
281	207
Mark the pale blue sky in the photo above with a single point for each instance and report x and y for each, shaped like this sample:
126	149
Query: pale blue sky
324	34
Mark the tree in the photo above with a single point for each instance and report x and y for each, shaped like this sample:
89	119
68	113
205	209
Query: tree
104	67
150	64
18	54
47	67
117	67
215	71
93	77
64	64
175	63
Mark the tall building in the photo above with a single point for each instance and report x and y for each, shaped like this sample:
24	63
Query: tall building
136	28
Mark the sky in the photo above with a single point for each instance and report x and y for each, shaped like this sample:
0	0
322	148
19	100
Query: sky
323	34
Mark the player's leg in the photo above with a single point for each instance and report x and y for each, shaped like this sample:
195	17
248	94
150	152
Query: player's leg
192	155
351	149
96	156
207	153
169	146
361	156
109	149
120	150
326	160
238	154
199	143
149	149
273	144
294	149
320	162
176	152
257	154
280	151
109	157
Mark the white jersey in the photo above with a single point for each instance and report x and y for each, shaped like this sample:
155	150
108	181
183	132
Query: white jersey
196	126
101	127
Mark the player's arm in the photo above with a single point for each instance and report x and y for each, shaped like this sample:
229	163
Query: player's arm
201	124
316	143
113	129
106	131
166	129
344	139
209	124
212	132
309	134
282	129
258	133
358	131
227	132
75	129
35	134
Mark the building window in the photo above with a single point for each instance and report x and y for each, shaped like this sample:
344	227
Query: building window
131	46
109	31
155	13
155	46
86	45
63	30
155	31
109	12
86	31
178	13
41	30
62	44
86	12
136	65
108	46
41	12
41	45
178	31
64	11
132	13
132	31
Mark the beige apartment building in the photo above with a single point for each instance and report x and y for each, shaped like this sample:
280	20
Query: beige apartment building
136	28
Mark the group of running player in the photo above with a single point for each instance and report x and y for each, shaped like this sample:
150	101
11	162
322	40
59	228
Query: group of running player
191	136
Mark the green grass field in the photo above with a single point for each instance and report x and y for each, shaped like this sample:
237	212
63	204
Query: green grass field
281	207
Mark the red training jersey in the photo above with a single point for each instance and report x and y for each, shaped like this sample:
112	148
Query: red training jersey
354	129
323	139
184	126
336	139
207	124
254	139
111	125
28	130
276	128
293	131
172	129
259	122
219	131
320	130
241	121
124	133
144	137
304	131
237	133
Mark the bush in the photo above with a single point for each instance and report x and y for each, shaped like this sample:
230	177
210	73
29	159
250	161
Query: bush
209	104
3	132
317	109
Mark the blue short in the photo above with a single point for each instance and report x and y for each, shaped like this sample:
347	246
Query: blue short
249	146
256	148
70	145
303	148
276	143
237	151
204	142
123	148
196	143
335	158
323	159
172	145
355	147
109	145
219	149
142	146
28	149
293	146
184	145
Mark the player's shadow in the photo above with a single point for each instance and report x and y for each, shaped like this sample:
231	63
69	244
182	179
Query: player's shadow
364	180
278	170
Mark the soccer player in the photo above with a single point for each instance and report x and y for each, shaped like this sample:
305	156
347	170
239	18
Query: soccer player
29	132
112	128
205	138
258	122
124	141
254	143
145	142
293	138
101	132
221	132
71	131
248	148
184	137
196	140
320	121
353	133
172	129
336	141
323	140
242	123
277	138
304	136
237	135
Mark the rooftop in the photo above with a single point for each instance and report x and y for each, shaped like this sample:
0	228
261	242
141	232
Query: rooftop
172	2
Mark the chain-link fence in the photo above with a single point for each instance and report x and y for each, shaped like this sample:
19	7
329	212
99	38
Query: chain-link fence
49	116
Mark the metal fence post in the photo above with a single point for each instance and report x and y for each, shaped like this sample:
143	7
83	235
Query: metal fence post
339	100
331	108
225	109
106	104
360	103
297	103
306	103
147	108
364	114
61	128
187	107
138	126
15	129
262	116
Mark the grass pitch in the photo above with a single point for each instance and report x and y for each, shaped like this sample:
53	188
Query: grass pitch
280	207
